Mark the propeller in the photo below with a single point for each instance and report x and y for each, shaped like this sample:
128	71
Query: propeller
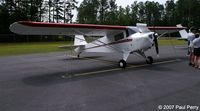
156	43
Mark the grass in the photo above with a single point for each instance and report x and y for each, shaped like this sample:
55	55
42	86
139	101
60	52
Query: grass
8	49
171	42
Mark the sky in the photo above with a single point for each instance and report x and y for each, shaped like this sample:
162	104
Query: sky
122	3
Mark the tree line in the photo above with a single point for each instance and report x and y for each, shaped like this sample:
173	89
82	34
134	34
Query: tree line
150	12
35	10
108	12
57	11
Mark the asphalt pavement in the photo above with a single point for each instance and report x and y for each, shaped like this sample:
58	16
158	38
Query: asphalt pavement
61	82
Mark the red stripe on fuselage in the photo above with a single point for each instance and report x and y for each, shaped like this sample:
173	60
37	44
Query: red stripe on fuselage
59	25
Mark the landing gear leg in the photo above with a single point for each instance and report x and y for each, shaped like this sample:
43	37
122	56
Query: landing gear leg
149	59
79	54
122	63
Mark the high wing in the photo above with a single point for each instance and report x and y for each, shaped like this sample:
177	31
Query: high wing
158	29
43	28
164	29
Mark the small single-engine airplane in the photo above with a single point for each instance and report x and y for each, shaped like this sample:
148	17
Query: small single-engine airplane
125	40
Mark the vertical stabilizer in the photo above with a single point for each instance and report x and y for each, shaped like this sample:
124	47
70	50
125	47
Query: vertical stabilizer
79	40
142	27
183	33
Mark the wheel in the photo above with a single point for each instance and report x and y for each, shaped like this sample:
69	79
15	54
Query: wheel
122	64
79	54
149	60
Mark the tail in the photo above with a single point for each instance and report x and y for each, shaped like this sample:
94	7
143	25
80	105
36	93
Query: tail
79	40
79	43
183	33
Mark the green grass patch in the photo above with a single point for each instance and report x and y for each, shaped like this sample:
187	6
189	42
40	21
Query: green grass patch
171	42
8	49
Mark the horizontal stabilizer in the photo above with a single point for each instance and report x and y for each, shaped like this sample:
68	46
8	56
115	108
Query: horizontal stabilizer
182	39
181	47
67	46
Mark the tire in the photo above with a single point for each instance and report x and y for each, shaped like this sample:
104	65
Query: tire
122	64
149	60
79	54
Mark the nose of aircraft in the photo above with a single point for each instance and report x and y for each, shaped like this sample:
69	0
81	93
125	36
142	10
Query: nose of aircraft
151	37
154	39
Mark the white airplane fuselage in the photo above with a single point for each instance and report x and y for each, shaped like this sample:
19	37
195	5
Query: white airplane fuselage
132	43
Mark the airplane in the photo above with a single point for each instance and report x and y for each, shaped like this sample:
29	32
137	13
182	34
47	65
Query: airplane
125	40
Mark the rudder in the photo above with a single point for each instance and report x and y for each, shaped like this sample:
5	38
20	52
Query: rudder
79	40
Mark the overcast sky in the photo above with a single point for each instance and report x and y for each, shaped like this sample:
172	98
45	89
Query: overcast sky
122	3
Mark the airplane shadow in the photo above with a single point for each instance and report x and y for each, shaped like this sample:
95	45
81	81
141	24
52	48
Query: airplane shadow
81	58
56	78
61	77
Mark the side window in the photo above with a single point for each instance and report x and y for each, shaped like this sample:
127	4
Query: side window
131	31
119	36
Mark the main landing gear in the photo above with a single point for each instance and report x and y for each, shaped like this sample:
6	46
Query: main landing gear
78	55
122	63
149	60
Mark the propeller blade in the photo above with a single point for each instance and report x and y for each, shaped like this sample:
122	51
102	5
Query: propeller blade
156	43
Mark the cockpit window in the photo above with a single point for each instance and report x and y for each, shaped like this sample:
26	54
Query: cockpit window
132	31
151	36
119	36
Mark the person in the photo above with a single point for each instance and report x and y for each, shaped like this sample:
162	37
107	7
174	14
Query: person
196	44
191	37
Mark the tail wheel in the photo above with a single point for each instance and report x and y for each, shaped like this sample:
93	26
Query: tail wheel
149	60
122	64
79	54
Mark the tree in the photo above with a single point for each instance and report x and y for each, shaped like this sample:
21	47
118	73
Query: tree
68	7
111	14
4	22
121	16
188	11
103	6
57	11
87	12
134	13
128	17
170	12
153	12
141	12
